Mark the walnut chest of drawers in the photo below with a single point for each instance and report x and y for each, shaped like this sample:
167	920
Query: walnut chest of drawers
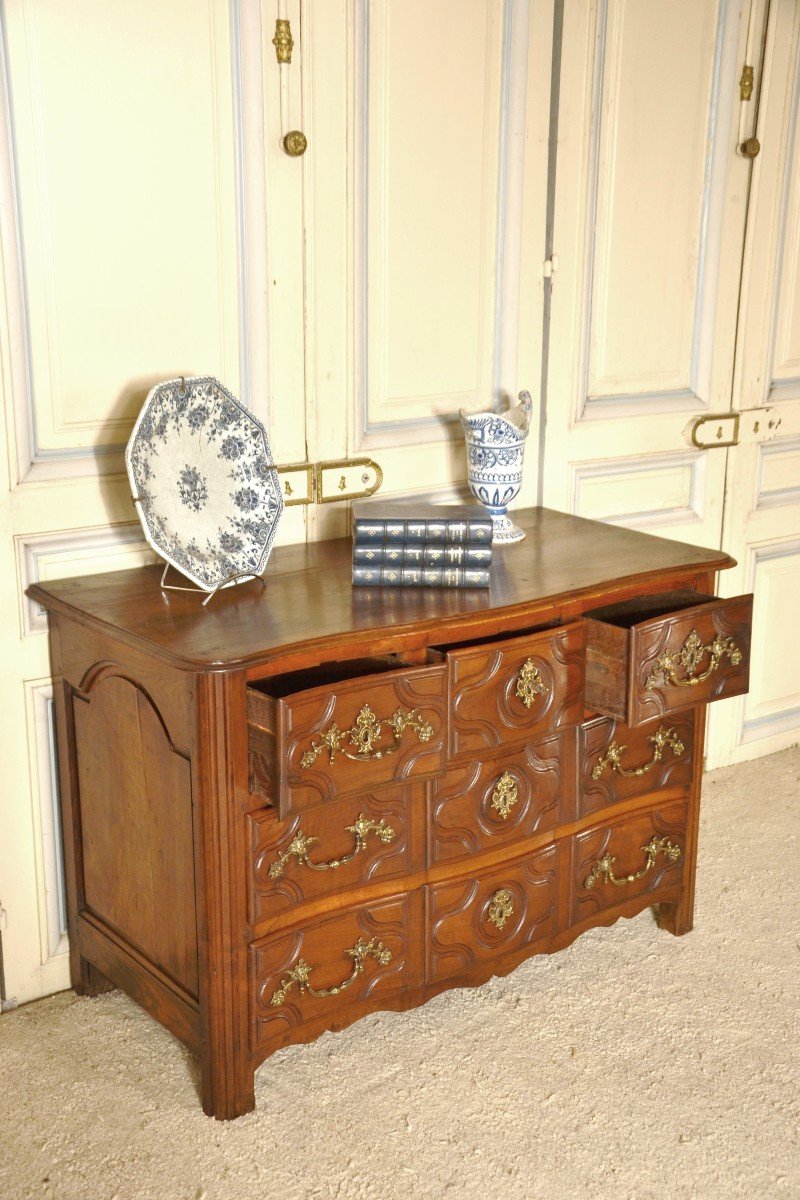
308	802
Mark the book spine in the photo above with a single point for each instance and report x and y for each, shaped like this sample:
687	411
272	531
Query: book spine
415	533
423	555
448	577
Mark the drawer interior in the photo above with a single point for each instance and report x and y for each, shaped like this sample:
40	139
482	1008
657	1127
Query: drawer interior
441	649
628	613
325	673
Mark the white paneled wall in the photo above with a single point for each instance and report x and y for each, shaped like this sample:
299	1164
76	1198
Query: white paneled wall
356	298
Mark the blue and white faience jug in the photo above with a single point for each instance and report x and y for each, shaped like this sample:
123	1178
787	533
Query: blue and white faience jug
495	446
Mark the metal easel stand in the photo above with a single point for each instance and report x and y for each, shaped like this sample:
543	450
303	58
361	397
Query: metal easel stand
175	587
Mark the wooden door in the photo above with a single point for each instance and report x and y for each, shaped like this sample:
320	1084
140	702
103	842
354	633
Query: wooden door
424	191
648	219
152	225
762	498
120	222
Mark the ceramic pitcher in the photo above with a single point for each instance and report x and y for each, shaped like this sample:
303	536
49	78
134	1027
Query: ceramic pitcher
495	446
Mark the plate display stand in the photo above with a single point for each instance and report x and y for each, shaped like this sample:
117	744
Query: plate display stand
239	577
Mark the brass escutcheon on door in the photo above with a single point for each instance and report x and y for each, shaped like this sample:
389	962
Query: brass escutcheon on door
330	480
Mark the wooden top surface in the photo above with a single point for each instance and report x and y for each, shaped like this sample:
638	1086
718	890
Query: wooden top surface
309	599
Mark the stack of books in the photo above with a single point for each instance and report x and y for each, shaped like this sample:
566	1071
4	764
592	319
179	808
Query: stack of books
407	543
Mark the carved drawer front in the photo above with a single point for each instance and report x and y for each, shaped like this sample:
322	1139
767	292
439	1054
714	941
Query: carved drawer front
620	861
483	806
315	735
471	921
617	762
515	690
657	655
332	848
318	971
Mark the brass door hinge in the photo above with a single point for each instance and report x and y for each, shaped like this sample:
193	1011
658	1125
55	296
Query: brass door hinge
718	431
283	41
333	479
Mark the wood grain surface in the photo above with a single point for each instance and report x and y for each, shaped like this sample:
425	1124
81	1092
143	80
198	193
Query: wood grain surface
309	602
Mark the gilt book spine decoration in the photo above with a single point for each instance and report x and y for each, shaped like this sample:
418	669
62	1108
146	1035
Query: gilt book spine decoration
449	577
409	523
424	555
408	544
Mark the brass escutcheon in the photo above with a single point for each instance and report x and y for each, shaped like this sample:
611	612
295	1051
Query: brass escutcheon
530	683
501	907
505	795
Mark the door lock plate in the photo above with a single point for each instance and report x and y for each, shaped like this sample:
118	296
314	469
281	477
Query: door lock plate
716	431
325	482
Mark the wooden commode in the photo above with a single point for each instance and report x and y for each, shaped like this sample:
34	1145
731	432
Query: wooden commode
308	802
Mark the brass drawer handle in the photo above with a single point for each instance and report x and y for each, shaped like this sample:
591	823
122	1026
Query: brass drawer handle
505	795
299	846
301	970
501	907
530	683
661	738
605	865
689	658
365	732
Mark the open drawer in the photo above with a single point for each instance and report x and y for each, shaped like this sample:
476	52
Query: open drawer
655	655
344	729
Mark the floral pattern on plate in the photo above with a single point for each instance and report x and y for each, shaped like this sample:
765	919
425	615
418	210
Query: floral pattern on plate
205	486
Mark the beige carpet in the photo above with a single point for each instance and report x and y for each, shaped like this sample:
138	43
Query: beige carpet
633	1065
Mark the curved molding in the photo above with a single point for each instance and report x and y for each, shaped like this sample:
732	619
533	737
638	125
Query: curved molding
101	672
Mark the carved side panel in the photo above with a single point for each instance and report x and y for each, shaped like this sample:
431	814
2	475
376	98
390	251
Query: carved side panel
471	921
135	807
517	690
610	753
319	952
483	806
381	848
655	692
306	719
624	841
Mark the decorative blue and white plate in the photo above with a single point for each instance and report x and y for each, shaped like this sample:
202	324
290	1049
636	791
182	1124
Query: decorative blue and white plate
203	480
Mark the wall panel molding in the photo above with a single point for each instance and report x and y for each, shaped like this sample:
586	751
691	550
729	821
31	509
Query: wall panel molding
684	385
47	831
783	357
74	552
778	473
71	414
642	492
772	705
389	409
